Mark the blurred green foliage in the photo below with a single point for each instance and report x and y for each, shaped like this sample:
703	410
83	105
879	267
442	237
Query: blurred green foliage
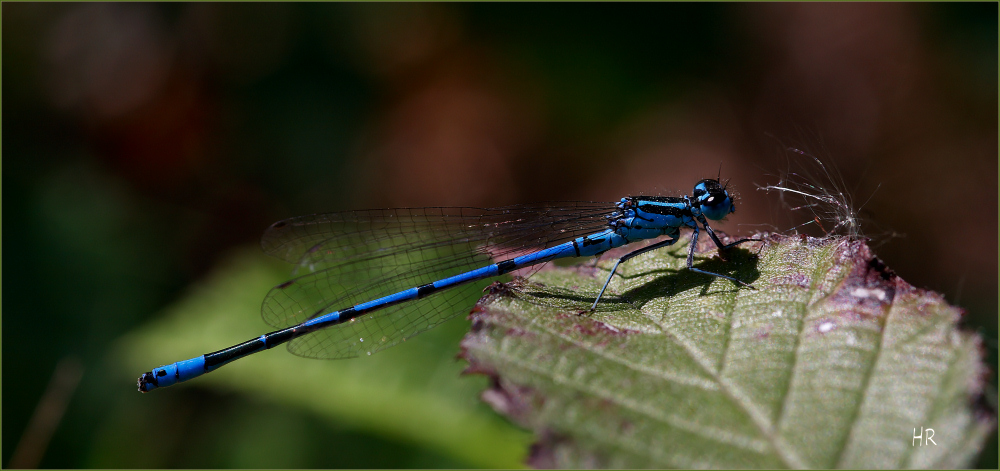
414	394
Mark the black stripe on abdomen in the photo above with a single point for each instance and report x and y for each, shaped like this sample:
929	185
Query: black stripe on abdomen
506	266
426	289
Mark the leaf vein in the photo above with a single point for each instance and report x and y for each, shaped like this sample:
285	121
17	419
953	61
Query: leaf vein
865	387
710	433
738	397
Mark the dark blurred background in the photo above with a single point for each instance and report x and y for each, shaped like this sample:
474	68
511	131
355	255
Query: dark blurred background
144	141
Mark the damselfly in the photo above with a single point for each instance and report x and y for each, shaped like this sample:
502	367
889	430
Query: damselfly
375	278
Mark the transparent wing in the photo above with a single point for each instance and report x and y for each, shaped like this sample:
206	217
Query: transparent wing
358	256
387	327
332	236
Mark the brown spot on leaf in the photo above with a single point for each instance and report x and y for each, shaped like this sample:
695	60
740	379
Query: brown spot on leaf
869	289
594	328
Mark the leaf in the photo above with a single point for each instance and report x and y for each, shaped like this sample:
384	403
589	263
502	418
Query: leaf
831	363
412	393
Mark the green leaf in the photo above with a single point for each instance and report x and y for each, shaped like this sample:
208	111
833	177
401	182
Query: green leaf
413	393
831	363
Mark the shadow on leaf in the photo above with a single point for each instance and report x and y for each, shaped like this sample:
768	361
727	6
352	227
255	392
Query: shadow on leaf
740	264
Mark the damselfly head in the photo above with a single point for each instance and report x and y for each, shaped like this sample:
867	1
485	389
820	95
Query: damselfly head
713	199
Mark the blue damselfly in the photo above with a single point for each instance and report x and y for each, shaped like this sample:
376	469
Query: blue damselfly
375	278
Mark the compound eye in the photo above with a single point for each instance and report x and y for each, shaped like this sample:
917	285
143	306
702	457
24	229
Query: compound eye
716	206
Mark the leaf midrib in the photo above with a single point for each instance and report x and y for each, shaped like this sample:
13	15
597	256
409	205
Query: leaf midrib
735	395
782	449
